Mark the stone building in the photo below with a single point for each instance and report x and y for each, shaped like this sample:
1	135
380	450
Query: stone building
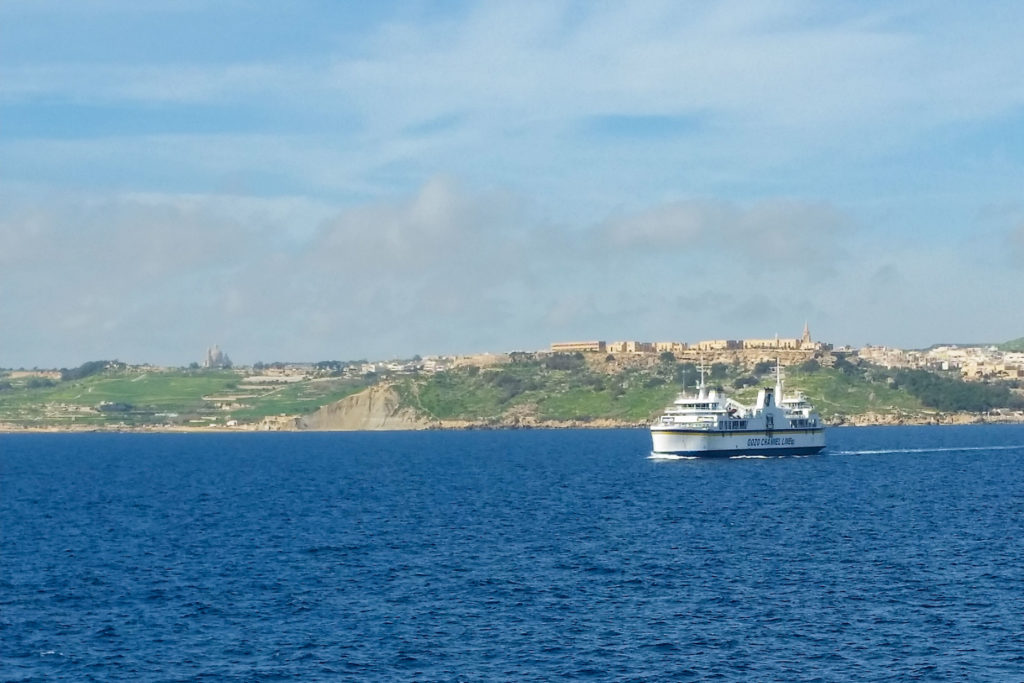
216	359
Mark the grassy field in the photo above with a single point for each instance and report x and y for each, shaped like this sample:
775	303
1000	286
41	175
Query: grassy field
297	399
145	397
633	405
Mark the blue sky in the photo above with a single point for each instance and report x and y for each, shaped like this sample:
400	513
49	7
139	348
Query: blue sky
323	180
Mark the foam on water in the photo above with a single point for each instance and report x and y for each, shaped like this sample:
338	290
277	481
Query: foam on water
953	449
671	456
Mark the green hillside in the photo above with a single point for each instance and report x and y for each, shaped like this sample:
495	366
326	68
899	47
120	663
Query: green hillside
139	397
530	389
629	394
558	390
570	388
1012	345
834	393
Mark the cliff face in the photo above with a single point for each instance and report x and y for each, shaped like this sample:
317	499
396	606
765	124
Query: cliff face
379	408
376	408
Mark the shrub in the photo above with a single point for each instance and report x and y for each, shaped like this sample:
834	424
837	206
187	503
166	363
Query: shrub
89	368
810	366
564	361
719	370
747	381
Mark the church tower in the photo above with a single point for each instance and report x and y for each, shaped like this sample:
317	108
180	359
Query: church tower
806	339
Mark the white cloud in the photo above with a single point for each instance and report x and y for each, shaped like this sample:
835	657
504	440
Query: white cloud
775	232
448	269
792	65
788	98
438	183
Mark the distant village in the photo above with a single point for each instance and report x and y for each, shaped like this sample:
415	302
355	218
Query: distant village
975	363
803	343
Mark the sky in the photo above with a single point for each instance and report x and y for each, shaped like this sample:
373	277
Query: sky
328	180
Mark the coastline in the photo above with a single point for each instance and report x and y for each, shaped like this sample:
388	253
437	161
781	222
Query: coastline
865	420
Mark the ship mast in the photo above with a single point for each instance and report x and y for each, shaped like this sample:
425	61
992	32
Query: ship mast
701	389
778	382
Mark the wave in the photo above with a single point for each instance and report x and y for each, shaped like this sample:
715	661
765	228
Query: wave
951	449
670	456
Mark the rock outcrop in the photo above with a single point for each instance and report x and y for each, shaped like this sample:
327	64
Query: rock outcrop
376	408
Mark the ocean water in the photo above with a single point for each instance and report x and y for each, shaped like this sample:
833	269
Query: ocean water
897	554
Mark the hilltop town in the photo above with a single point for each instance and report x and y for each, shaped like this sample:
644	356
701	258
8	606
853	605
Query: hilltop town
972	362
571	383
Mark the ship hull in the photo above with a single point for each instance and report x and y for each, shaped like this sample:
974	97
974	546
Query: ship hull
721	444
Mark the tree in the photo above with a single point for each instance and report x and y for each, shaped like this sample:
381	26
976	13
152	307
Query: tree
945	393
684	372
844	366
89	368
810	366
667	357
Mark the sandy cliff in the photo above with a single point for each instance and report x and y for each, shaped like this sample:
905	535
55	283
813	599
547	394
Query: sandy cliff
379	408
376	408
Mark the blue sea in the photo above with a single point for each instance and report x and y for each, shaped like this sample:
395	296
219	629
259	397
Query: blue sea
897	554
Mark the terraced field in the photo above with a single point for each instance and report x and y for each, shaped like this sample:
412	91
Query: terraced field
141	397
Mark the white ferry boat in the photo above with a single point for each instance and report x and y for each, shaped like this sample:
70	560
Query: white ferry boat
709	424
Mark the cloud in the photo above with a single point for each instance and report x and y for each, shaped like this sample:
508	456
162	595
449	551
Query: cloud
447	269
774	232
793	66
93	278
416	178
439	270
188	268
585	108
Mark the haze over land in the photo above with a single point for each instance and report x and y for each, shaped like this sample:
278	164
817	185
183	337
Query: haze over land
323	180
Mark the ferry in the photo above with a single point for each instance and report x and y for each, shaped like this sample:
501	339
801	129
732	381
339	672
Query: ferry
708	424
